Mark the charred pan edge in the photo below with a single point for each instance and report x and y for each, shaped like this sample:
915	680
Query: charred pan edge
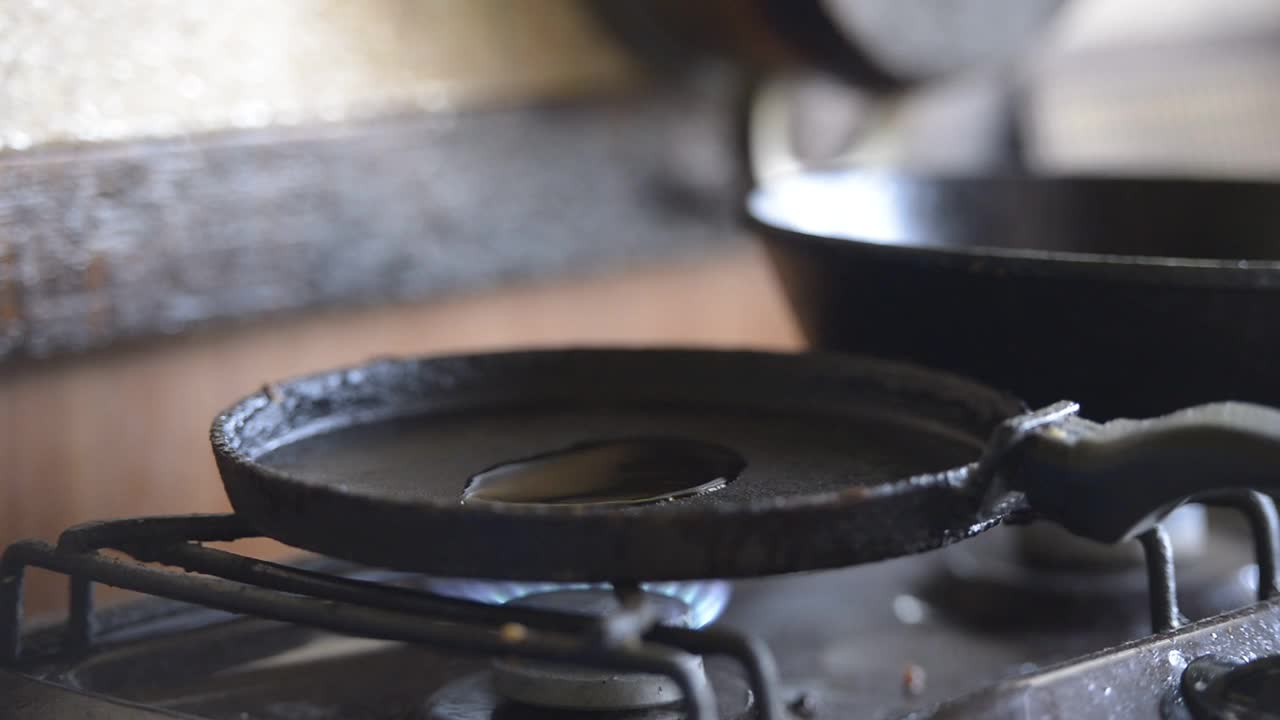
557	543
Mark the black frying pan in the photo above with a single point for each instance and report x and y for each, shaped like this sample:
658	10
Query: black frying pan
847	460
1133	296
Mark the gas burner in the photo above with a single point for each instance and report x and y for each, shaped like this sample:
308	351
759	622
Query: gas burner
703	600
535	685
568	687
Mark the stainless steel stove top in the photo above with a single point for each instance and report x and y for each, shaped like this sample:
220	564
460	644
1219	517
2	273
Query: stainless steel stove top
946	635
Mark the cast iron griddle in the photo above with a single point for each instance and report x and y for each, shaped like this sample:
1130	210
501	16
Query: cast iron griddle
847	460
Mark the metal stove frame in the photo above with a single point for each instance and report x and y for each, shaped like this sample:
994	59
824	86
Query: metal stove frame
628	640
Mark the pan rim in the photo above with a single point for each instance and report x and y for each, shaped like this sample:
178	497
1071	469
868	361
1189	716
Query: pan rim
227	449
836	528
1261	273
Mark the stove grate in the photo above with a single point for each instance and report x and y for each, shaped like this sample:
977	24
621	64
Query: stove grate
627	640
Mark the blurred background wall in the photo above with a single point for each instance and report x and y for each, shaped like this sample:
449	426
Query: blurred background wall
198	198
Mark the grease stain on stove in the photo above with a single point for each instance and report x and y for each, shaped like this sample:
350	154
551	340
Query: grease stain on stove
619	471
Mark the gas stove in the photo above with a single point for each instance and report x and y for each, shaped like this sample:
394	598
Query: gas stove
678	535
983	628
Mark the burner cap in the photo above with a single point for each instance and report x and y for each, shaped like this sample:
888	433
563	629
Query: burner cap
569	687
474	698
553	685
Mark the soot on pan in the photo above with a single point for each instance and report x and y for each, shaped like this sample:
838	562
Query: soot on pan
623	471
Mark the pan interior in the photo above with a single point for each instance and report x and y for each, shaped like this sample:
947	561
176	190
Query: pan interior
371	463
429	458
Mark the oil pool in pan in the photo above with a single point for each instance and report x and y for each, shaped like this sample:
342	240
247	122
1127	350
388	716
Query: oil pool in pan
621	471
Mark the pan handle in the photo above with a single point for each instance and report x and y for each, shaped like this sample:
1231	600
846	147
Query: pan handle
1112	481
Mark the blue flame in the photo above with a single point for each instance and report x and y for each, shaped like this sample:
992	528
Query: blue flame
706	599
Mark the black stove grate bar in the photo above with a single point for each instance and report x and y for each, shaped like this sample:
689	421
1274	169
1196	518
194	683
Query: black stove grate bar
1264	525
245	585
139	531
1162	585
